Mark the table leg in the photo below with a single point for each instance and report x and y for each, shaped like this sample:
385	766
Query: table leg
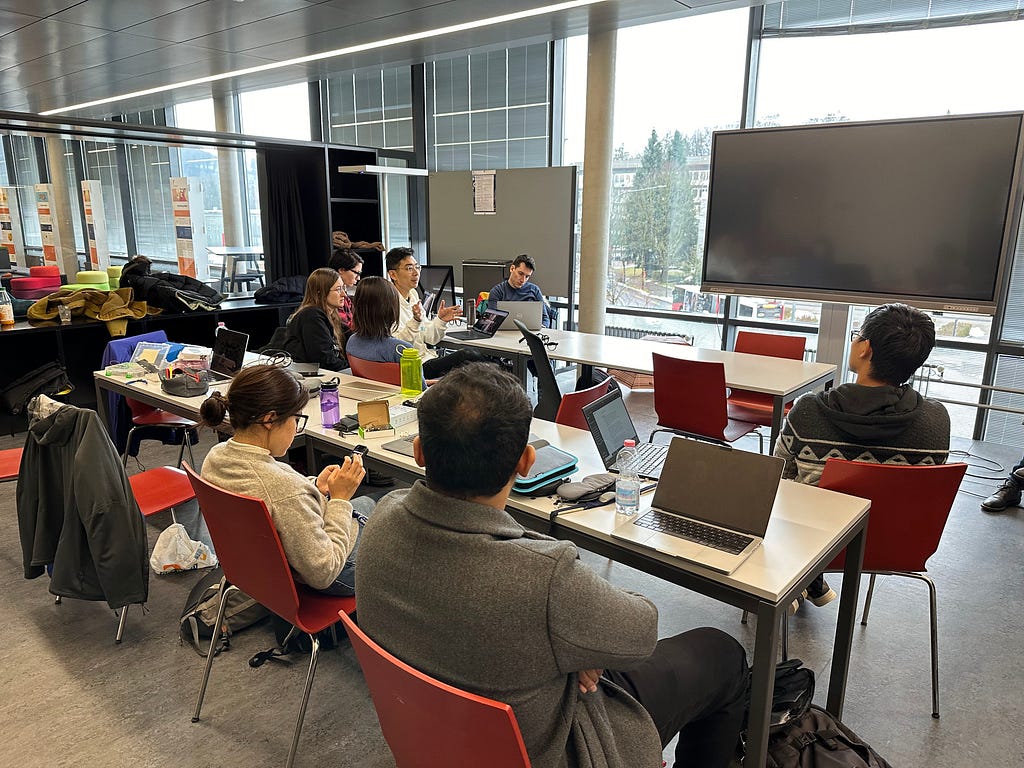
845	624
762	682
778	408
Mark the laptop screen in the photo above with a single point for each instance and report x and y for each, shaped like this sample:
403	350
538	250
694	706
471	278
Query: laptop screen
229	351
610	424
489	320
719	485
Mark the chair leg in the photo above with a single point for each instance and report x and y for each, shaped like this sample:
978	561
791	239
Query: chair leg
224	589
867	601
743	619
128	445
933	615
305	701
120	624
188	447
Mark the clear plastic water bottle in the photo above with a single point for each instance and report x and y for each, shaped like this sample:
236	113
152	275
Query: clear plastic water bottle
6	310
330	413
627	485
217	329
411	368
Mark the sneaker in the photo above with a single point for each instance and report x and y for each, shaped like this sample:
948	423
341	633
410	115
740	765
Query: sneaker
820	593
1006	495
378	479
795	605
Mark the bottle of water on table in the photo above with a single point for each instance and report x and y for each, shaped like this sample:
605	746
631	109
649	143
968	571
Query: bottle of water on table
627	486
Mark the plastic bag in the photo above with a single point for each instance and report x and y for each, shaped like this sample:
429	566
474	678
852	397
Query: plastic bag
176	551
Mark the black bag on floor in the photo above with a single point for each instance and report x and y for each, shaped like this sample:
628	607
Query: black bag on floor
792	693
200	613
818	740
299	641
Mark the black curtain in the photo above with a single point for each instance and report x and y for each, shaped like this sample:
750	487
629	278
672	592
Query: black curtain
284	222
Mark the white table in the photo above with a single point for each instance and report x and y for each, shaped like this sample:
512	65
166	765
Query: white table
783	379
808	528
234	254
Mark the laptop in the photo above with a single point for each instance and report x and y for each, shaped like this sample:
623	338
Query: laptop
402	445
486	325
529	313
228	354
610	425
363	391
711	507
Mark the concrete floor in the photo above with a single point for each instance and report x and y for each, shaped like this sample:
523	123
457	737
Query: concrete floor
73	697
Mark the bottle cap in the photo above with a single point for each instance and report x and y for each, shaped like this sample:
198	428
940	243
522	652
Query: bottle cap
629	443
410	352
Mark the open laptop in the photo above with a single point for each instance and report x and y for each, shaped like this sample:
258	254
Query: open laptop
529	313
364	390
228	354
610	425
486	325
711	507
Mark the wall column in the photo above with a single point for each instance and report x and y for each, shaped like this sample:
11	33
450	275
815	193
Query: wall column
60	208
597	180
229	168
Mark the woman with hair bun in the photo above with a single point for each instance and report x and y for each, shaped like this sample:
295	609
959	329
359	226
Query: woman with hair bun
318	524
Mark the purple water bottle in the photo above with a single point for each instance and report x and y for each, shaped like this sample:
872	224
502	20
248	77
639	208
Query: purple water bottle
329	413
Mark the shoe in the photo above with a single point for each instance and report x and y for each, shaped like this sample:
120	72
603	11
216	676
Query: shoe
378	479
820	593
795	605
1006	495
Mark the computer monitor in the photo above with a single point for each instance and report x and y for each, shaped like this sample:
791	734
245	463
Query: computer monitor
437	283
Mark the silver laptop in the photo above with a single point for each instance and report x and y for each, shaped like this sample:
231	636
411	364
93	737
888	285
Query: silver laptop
610	425
228	354
712	505
363	391
529	313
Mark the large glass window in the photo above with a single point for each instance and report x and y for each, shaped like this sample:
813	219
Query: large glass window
26	176
371	109
281	112
149	173
100	164
490	110
3	166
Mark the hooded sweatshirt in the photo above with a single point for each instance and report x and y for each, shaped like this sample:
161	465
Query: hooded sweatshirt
882	425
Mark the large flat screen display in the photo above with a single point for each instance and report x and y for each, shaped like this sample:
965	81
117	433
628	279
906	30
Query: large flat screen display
916	210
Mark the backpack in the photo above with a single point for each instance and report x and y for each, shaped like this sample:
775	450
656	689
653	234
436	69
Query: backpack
818	740
200	613
48	379
299	643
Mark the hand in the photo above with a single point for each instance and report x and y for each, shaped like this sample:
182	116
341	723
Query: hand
588	679
417	311
448	313
321	479
344	480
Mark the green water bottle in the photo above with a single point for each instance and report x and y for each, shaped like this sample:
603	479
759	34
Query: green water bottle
412	372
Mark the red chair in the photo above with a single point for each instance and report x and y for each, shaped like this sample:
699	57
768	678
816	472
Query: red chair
430	724
253	561
389	373
689	398
909	509
147	416
570	411
10	461
757	407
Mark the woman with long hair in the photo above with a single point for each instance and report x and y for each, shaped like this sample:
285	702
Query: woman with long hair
350	267
374	316
314	333
318	524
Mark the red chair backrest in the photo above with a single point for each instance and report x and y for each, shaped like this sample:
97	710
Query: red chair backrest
771	344
570	411
909	508
430	724
248	546
689	395
389	373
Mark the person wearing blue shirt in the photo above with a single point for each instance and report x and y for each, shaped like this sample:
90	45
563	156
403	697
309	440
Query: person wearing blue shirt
519	288
374	315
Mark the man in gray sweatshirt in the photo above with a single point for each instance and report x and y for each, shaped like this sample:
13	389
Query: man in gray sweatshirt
450	583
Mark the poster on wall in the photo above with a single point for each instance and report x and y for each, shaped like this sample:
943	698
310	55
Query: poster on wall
189	227
96	226
11	236
49	229
484	200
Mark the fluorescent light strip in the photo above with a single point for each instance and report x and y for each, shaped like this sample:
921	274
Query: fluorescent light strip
413	37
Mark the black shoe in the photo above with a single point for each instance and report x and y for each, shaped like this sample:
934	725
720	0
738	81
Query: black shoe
819	593
1006	495
378	479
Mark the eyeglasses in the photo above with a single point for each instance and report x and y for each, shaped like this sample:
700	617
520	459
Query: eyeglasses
338	289
356	272
855	336
544	339
300	422
409	268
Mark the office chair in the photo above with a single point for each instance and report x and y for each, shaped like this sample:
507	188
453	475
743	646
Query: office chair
758	407
570	410
427	723
251	556
10	461
690	400
549	397
389	373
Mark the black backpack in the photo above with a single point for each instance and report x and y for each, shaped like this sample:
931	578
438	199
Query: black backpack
818	740
299	642
200	613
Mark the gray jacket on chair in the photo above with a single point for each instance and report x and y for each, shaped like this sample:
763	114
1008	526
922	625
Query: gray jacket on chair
464	593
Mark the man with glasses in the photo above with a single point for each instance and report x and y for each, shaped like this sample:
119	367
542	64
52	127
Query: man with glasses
878	418
413	326
519	288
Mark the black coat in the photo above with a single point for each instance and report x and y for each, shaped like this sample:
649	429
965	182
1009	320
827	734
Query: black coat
76	510
310	339
168	291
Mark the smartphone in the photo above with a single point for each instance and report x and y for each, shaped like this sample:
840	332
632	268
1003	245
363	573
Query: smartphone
362	450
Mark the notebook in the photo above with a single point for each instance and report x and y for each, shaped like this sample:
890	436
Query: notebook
364	390
228	354
711	507
610	425
529	313
486	325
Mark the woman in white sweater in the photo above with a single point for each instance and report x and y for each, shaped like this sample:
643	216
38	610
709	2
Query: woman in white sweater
319	526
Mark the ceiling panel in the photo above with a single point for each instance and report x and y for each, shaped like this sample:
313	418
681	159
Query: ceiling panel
214	16
115	15
96	53
285	27
42	37
39	8
10	21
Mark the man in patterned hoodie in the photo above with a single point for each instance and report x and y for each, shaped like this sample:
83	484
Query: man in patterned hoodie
879	418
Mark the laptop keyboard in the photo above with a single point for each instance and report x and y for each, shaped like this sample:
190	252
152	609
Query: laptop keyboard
650	458
708	535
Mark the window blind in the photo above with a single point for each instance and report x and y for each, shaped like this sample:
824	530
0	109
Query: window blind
792	18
